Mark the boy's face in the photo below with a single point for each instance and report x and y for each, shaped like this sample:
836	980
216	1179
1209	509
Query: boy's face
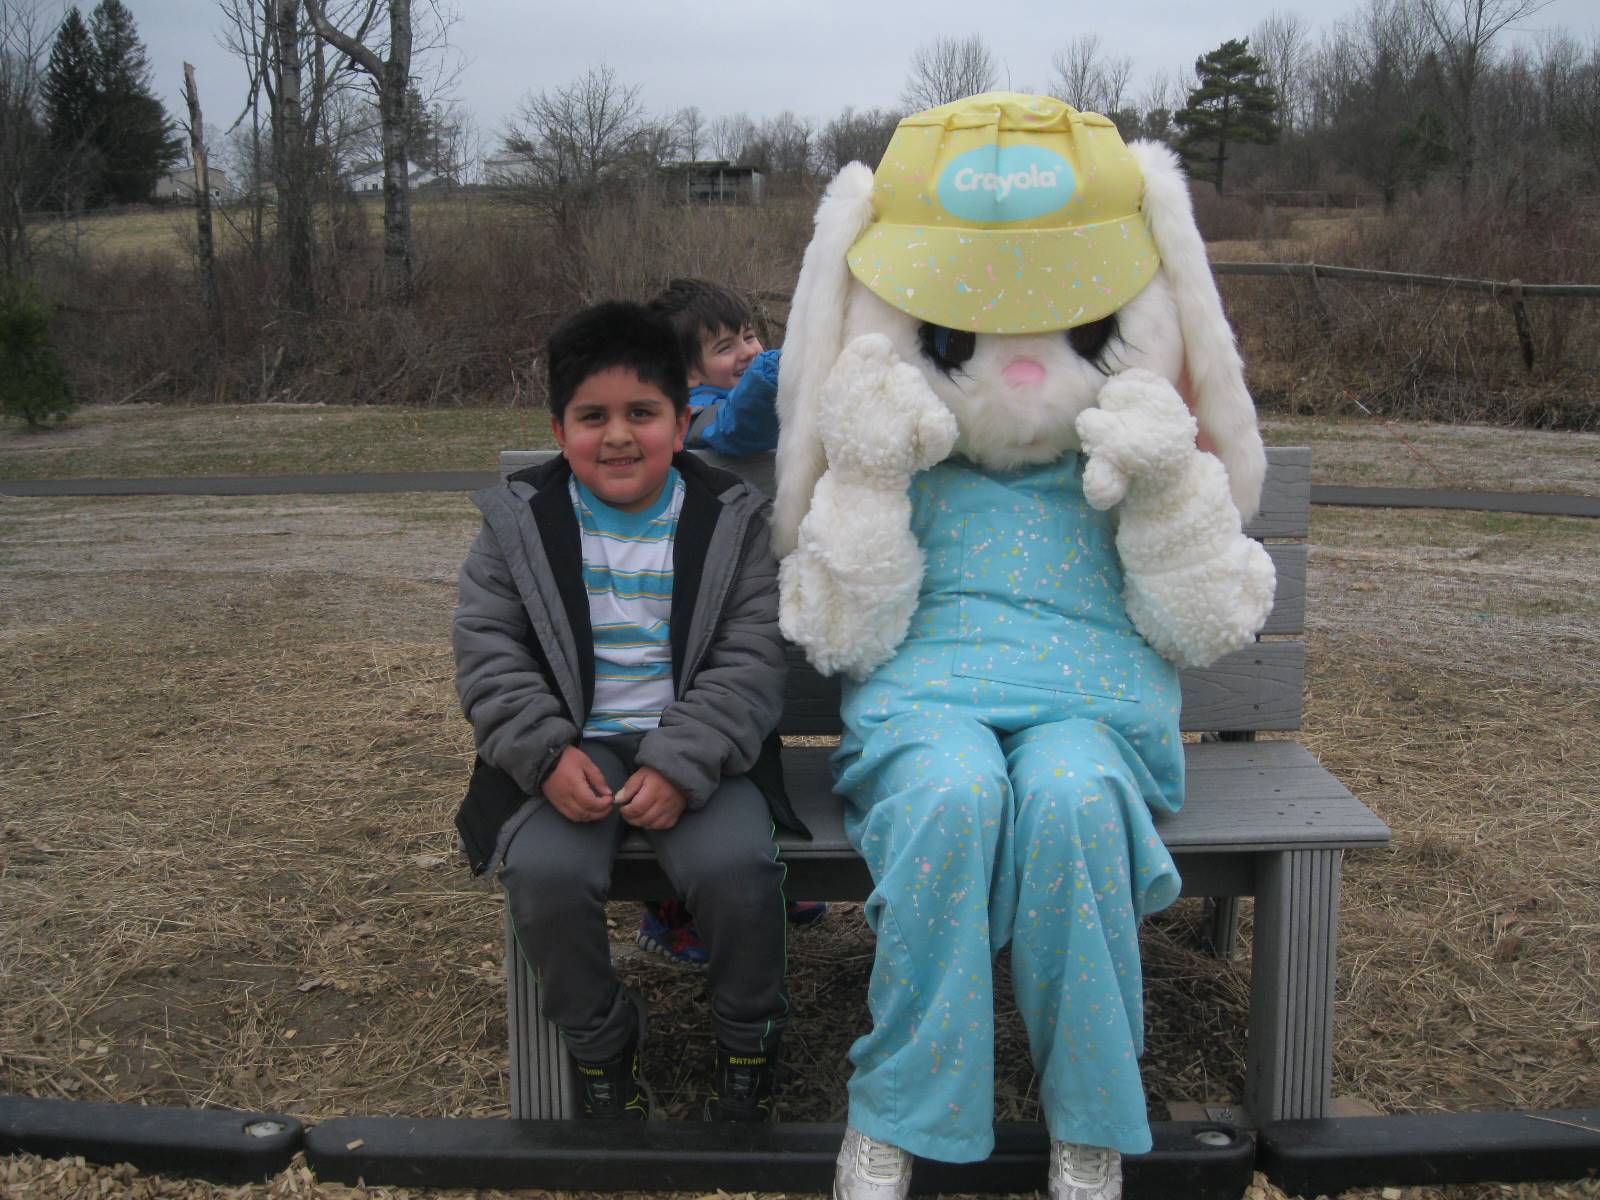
724	355
619	433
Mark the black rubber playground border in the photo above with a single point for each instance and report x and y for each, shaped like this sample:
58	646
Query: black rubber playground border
1195	1160
1549	504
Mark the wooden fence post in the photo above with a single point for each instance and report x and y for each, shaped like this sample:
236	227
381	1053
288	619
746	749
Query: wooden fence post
1320	302
1519	314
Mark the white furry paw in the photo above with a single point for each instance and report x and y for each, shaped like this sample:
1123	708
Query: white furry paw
847	592
1140	429
1194	615
880	420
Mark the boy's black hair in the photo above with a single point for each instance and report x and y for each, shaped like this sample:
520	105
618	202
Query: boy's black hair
696	306
615	333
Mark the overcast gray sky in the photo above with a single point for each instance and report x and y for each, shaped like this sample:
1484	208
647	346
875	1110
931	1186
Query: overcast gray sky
728	56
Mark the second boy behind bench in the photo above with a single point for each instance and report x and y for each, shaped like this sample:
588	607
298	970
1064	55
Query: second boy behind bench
617	652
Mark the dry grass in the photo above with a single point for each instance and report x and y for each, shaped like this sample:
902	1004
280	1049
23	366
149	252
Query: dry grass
137	440
1356	449
229	757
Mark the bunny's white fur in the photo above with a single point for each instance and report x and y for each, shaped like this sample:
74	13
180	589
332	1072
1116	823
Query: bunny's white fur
861	410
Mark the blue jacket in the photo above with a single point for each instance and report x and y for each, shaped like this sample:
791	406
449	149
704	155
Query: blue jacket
741	422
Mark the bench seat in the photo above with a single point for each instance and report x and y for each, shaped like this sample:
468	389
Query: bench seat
1245	800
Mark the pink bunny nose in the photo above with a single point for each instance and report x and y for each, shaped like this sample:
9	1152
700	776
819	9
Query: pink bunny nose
1022	372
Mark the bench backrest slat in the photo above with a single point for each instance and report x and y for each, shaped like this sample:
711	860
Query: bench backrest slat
1258	688
1285	495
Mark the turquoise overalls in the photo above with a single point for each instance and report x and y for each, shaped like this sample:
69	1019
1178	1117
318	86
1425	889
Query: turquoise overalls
999	773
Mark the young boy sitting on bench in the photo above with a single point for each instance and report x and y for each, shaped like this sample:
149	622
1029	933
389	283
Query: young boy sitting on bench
617	653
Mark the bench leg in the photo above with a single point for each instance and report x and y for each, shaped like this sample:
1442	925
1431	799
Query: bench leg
542	1083
1289	1064
1222	922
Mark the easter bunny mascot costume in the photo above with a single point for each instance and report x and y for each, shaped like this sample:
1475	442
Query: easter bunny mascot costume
1015	452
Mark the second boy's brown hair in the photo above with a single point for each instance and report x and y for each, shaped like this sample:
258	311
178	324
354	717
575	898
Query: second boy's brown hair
698	306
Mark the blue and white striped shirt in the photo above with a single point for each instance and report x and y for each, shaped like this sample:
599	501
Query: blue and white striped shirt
627	571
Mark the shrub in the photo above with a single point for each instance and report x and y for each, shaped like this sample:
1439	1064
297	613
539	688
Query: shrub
1223	218
33	382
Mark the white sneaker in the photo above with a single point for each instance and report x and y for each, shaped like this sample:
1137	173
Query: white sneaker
870	1170
1084	1172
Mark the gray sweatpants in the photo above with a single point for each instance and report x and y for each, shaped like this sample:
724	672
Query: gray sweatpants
722	860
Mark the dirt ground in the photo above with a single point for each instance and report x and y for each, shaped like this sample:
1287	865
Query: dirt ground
230	755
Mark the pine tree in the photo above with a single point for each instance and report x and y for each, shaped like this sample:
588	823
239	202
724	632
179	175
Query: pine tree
71	108
71	86
132	131
33	381
1232	104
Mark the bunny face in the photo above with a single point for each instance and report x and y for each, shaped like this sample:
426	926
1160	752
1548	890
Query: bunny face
1016	398
1015	394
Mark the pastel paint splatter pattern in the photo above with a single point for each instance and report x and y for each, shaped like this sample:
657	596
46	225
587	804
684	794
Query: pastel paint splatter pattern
1048	195
1000	773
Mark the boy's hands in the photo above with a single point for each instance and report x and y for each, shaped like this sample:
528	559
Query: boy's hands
649	800
577	788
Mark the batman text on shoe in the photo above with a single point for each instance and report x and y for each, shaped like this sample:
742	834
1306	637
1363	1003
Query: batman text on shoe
743	1087
614	1090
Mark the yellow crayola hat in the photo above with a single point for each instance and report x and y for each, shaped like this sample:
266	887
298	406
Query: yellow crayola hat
1005	213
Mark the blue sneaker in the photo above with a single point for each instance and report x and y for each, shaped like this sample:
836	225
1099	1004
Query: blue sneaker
667	929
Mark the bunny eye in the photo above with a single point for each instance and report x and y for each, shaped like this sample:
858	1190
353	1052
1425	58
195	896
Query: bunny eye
1089	341
946	349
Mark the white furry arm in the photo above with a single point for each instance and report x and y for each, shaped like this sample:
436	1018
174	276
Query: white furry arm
1196	587
849	588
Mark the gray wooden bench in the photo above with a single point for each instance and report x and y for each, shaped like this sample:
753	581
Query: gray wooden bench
1261	819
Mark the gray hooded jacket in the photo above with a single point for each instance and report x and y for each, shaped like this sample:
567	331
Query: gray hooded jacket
524	649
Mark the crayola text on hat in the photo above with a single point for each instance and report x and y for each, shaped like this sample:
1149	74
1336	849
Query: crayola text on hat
1005	213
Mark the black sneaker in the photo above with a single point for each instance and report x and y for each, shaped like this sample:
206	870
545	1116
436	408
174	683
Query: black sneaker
743	1087
614	1090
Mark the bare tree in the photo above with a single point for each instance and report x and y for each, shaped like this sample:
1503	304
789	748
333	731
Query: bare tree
291	157
23	150
728	136
1086	79
578	142
318	123
1466	31
947	69
855	137
389	67
1280	41
202	208
690	126
782	147
247	26
1364	97
1572	85
459	147
1077	73
1114	78
1160	97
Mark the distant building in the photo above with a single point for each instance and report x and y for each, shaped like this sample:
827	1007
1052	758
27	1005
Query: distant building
508	171
713	183
179	185
368	177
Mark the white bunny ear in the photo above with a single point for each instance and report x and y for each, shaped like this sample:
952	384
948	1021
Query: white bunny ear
1215	376
812	343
